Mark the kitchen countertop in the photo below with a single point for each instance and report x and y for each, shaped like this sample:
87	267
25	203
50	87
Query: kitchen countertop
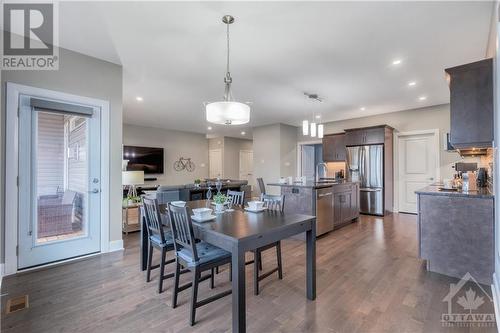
192	187
313	185
482	192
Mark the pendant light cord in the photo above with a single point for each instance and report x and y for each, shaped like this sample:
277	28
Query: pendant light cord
227	35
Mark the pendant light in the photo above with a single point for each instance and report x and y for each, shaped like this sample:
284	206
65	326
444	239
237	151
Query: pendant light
320	131
313	130
227	111
305	127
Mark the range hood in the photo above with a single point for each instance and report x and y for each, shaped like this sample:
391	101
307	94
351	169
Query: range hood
464	151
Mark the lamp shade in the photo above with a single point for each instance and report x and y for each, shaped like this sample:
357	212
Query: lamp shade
132	177
228	113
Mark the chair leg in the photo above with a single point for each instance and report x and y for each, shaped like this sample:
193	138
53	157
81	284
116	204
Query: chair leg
256	262
150	261
194	296
176	284
278	256
212	278
162	269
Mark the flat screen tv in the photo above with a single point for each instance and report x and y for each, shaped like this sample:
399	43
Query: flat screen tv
147	159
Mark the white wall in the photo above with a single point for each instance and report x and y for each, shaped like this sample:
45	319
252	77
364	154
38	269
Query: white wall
175	145
81	75
230	148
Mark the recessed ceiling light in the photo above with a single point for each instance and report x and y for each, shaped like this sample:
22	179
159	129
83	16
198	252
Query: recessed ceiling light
139	99
412	83
318	116
397	62
209	128
243	133
362	108
422	98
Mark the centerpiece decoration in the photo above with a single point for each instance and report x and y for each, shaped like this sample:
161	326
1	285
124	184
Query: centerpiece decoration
220	200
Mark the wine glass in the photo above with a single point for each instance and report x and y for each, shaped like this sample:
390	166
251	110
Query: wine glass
218	185
209	195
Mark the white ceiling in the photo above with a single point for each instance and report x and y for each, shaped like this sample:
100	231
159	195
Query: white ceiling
173	55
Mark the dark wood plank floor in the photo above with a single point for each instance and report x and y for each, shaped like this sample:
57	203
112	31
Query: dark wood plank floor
369	279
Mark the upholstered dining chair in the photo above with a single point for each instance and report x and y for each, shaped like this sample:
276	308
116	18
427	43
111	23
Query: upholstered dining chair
273	203
196	257
159	239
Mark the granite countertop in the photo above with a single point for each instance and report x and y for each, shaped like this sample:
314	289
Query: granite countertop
482	192
312	184
192	187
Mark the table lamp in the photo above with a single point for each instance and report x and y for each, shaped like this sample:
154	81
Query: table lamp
130	179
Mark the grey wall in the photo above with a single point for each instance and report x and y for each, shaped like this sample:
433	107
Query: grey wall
81	75
409	120
231	156
274	153
175	145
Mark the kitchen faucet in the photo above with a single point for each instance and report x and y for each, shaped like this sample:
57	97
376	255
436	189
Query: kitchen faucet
325	170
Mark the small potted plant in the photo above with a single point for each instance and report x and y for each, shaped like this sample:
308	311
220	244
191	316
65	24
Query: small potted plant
197	182
220	200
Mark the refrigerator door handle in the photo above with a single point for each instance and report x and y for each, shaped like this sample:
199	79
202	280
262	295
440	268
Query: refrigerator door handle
370	189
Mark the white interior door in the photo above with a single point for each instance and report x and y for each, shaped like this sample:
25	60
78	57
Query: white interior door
418	165
215	163
246	166
59	181
308	168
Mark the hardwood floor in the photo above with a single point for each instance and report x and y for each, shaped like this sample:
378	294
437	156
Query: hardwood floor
369	279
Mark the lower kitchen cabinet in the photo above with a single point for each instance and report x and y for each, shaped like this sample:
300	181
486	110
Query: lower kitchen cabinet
345	204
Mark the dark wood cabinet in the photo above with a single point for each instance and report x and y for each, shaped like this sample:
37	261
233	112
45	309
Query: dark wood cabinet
345	203
365	136
334	148
471	104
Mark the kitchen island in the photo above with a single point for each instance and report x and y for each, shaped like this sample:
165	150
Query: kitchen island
334	204
456	232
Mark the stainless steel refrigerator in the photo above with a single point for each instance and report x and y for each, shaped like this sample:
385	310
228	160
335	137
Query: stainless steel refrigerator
365	164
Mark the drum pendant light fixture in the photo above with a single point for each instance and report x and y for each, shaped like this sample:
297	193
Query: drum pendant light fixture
227	111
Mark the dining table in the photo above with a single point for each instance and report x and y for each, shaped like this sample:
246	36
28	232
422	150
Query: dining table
239	231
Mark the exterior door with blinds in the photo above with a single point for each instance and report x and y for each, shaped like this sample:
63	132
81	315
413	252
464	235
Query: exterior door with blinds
59	181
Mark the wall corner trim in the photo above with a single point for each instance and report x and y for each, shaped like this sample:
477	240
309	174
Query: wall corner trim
495	289
116	245
1	274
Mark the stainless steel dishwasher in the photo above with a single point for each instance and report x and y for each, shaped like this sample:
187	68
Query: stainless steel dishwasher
324	210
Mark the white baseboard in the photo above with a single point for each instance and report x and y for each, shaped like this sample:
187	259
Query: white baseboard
495	289
116	245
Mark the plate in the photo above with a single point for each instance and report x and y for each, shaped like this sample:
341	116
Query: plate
248	209
199	219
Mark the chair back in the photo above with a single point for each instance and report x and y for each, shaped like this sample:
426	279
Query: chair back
273	202
262	187
235	197
182	230
152	216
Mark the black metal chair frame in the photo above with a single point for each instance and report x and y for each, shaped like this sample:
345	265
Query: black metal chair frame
183	235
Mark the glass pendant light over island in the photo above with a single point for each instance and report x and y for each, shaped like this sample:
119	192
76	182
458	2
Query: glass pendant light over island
228	111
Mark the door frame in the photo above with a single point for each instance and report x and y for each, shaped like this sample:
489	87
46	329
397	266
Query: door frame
12	162
221	162
239	157
397	135
299	152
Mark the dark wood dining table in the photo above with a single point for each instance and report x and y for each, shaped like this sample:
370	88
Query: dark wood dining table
239	231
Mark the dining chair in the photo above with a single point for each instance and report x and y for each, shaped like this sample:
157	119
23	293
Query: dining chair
274	203
262	186
194	256
159	239
236	197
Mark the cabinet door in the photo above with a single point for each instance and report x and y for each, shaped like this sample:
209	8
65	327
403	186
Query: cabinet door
354	138
337	209
328	148
340	152
354	201
346	207
471	106
374	135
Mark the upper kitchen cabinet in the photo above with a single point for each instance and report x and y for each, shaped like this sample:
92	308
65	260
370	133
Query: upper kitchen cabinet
365	136
334	148
471	104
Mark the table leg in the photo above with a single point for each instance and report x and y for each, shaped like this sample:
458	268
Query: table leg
238	287
144	244
311	263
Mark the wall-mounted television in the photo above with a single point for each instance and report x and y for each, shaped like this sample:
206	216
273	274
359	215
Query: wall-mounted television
147	159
